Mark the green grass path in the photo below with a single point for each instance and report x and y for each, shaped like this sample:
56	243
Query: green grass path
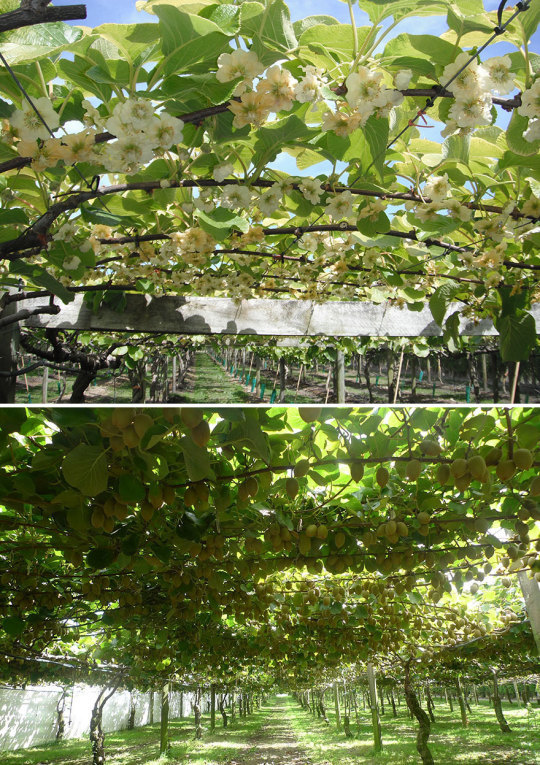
482	743
141	746
212	385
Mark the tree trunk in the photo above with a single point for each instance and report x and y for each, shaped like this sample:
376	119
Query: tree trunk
60	721
97	737
197	714
336	703
393	702
223	712
132	711
164	736
503	725
377	738
424	724
461	700
82	381
430	705
212	707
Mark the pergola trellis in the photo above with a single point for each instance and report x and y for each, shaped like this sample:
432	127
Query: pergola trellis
178	315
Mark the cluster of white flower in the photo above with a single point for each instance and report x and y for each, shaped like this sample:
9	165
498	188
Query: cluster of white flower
269	202
530	107
140	133
192	247
276	91
472	90
438	190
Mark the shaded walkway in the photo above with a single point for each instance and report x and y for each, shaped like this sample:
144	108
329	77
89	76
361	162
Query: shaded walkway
208	383
275	743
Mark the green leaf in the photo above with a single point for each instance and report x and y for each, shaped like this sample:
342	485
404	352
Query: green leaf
514	136
101	557
13	625
221	222
457	147
85	468
271	139
440	300
14	215
226	16
424	46
333	42
197	460
517	335
271	26
378	10
188	41
131	489
41	40
40	277
301	25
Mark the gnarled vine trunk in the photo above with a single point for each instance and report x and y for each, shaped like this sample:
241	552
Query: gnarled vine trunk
503	725
97	736
424	724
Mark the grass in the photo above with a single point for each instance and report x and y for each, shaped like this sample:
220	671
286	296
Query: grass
141	746
482	743
212	385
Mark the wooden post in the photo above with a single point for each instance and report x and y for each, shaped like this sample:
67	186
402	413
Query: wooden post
164	738
282	379
9	343
336	700
377	738
44	384
174	373
484	372
531	595
212	707
340	377
181	704
151	711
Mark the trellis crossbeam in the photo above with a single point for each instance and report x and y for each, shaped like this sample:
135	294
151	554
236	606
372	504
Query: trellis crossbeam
170	314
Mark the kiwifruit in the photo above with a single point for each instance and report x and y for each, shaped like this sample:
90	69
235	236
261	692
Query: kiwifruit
311	530
191	416
414	468
339	540
476	466
534	488
523	459
423	517
357	471
322	532
310	413
458	467
141	423
291	487
463	482
443	473
201	433
505	469
122	417
493	456
382	476
301	468
430	447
